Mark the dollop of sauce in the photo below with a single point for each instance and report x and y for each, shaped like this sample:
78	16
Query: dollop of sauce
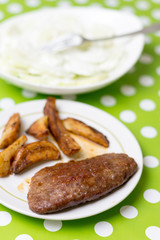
89	149
24	186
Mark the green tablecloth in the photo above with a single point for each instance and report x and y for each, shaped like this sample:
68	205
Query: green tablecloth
135	100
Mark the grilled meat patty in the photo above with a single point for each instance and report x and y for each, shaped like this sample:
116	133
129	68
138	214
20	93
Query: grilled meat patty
69	184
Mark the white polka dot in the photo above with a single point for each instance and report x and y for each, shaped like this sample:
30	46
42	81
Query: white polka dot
127	116
28	94
151	161
146	81
147	105
146	59
1	15
64	4
23	237
14	8
127	9
52	225
157	34
69	97
145	20
33	3
108	101
5	218
152	196
128	90
81	1
112	3
156	1
148	39
148	132
128	211
3	1
159	93
153	233
156	14
103	229
142	5
158	71
6	103
157	50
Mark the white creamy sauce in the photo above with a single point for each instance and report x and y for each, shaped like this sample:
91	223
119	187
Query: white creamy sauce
22	39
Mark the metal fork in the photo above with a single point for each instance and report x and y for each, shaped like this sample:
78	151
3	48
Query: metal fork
75	40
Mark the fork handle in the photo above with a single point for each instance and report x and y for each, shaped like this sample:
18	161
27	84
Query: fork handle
149	29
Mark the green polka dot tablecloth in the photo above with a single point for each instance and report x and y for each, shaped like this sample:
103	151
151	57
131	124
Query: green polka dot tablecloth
134	100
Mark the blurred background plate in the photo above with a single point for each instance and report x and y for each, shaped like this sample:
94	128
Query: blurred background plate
120	21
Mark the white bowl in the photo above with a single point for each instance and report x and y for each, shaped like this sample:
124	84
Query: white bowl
122	22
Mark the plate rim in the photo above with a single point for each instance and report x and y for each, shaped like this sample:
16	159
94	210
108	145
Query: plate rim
57	90
32	214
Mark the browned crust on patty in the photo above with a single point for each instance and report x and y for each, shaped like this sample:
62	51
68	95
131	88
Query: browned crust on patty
69	184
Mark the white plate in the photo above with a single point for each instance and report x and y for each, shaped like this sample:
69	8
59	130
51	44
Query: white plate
121	140
120	21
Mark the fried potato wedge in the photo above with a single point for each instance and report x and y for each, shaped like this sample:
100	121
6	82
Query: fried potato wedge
39	129
34	152
7	155
11	131
66	143
80	128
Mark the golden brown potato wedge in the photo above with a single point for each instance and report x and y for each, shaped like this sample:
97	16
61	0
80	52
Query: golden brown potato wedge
11	131
80	128
39	129
34	152
7	155
66	143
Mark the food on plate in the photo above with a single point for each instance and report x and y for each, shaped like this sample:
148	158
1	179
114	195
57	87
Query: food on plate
7	155
34	152
11	131
66	143
88	148
92	173
69	184
23	39
39	129
24	186
78	127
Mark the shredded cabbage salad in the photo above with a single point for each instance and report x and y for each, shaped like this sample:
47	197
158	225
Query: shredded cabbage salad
21	57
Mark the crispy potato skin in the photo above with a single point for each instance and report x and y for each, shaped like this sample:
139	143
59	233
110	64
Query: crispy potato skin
66	143
39	129
11	131
7	155
34	152
78	127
